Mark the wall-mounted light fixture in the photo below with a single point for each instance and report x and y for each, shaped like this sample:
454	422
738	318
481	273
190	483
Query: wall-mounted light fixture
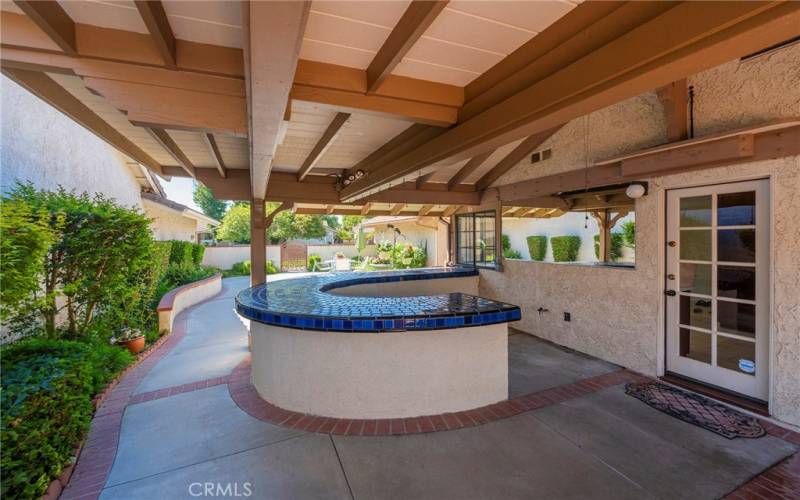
636	191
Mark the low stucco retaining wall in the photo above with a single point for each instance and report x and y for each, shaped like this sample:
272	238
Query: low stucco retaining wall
178	299
380	375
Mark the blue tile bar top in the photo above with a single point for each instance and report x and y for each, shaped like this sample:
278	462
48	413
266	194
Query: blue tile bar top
305	304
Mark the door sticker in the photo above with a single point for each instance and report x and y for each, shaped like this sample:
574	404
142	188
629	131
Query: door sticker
747	366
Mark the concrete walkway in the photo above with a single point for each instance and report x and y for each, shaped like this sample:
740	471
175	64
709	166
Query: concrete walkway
602	445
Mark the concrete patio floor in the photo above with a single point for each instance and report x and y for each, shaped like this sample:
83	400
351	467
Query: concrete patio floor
601	445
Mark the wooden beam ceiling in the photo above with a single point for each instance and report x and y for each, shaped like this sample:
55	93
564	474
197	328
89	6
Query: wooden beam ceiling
51	18
322	145
154	17
272	34
213	150
473	164
425	209
416	19
163	138
674	99
687	38
397	208
519	153
366	208
447	212
45	88
772	140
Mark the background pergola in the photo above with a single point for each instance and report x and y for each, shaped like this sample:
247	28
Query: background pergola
423	104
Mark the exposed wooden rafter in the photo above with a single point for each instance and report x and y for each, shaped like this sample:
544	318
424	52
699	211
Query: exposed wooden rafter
213	150
473	164
425	209
154	17
423	179
397	208
51	18
415	20
45	88
520	152
674	99
447	212
687	38
272	34
365	209
322	145
163	138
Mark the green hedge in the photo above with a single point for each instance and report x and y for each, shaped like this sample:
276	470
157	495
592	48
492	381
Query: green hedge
506	242
565	248
197	253
537	246
243	269
186	253
47	391
617	241
512	254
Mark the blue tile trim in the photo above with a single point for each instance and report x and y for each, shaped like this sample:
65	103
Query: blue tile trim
304	304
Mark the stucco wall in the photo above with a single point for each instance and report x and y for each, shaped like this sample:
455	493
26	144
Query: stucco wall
617	314
168	224
41	145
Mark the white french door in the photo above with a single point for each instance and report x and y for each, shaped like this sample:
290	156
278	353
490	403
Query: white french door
717	286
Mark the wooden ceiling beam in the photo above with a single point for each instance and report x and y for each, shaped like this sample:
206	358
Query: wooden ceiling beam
162	137
51	18
155	18
519	153
272	35
365	209
419	15
473	164
397	208
687	38
775	140
213	150
423	179
447	212
45	88
674	98
425	209
325	141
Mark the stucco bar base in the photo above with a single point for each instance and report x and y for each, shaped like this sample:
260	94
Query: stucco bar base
380	375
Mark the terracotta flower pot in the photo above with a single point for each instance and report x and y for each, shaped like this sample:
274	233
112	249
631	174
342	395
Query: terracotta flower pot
134	345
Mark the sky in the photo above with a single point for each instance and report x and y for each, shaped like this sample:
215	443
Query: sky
180	189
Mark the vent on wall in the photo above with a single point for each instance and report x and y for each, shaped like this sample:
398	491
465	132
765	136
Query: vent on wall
544	154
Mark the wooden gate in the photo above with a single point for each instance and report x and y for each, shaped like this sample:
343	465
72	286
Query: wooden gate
293	257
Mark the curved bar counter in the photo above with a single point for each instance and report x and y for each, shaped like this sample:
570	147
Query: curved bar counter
378	345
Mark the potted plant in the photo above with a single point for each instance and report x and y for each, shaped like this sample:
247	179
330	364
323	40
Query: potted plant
132	339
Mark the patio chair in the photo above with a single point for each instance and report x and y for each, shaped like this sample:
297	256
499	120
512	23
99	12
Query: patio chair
322	266
343	264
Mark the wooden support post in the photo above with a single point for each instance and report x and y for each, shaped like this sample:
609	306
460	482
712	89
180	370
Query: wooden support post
498	237
258	243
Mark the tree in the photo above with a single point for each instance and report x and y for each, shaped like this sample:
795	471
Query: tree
210	206
235	226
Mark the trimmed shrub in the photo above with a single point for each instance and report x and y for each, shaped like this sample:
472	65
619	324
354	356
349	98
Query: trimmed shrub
243	269
313	261
506	243
271	268
512	254
47	391
537	246
629	233
197	253
565	248
617	240
182	253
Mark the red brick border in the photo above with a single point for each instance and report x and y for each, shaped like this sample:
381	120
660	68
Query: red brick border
96	456
781	481
247	398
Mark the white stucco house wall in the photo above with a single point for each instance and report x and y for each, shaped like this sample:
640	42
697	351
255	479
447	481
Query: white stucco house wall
43	147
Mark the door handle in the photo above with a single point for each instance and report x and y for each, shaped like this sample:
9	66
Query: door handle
670	293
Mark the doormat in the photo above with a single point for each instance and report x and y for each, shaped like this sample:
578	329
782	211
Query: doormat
696	409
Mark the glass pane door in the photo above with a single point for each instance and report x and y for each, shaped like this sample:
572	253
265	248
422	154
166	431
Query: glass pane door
717	286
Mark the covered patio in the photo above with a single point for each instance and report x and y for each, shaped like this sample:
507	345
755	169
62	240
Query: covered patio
497	374
185	425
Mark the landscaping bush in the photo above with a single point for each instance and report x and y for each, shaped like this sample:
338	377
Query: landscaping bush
99	264
629	233
46	400
506	242
407	256
182	253
512	254
271	268
313	261
197	253
243	269
617	240
537	246
565	248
